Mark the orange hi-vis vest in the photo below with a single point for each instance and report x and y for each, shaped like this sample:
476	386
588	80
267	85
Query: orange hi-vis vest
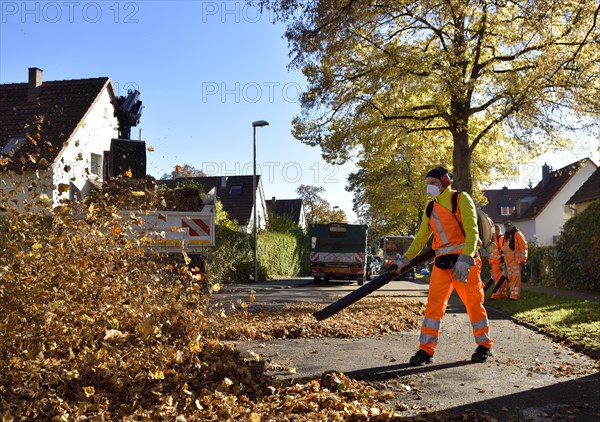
448	234
497	252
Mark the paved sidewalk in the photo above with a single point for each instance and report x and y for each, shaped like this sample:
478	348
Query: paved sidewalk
303	281
529	378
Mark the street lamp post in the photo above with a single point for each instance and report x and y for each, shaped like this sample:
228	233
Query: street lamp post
258	123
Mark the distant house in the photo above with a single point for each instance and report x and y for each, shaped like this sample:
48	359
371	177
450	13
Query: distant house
54	137
235	193
291	208
541	212
588	192
502	203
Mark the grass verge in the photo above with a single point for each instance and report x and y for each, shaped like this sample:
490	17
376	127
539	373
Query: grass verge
575	322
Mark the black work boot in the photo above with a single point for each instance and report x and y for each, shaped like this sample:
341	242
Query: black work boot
481	354
421	358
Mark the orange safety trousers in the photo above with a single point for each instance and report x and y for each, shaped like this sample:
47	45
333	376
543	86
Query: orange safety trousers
441	286
514	260
496	267
513	267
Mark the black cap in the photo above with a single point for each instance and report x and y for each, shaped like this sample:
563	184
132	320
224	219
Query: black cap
438	172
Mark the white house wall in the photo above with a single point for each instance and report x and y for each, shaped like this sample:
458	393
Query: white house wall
550	221
92	135
302	219
23	191
262	208
261	211
528	228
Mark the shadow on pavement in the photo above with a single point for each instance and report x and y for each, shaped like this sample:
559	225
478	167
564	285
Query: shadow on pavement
573	400
394	371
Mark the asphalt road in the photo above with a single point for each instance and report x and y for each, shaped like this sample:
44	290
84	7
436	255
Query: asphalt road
530	377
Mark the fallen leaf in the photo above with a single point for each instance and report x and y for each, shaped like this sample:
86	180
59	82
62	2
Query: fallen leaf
115	335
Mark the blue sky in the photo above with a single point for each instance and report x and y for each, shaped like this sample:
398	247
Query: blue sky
206	70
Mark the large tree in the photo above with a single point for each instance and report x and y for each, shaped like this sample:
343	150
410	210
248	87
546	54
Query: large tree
186	171
318	210
486	83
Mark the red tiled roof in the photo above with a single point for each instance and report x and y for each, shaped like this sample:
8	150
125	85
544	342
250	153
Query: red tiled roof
589	191
61	106
238	206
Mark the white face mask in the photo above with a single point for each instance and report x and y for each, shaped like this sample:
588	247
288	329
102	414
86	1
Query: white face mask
433	190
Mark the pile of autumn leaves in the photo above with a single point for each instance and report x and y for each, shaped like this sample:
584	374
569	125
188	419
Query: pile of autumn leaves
92	328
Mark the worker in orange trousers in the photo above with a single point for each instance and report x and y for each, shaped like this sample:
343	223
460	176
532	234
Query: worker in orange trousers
515	256
452	218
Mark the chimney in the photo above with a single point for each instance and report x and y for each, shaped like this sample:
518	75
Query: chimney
504	190
223	182
34	86
546	170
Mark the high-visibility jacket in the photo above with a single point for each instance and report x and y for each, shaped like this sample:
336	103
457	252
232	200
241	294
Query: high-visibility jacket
465	212
515	246
448	235
496	258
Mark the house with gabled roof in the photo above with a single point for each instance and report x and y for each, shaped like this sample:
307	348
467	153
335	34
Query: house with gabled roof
54	137
235	194
502	203
587	193
540	213
290	208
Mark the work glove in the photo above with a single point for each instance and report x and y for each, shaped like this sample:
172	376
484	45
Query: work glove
462	267
504	270
399	264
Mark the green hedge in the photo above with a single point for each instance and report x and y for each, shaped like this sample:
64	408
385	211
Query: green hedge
279	255
541	265
233	252
575	260
578	250
282	254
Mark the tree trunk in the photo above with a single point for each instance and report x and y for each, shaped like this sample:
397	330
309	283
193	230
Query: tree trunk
461	158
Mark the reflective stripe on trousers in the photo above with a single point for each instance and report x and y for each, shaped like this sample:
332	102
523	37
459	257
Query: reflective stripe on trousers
513	268
471	293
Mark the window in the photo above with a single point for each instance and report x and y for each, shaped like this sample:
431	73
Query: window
235	190
13	144
96	164
506	210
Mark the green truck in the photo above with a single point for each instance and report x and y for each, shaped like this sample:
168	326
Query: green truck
337	251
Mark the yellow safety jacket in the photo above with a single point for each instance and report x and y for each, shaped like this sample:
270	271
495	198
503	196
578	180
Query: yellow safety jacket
467	215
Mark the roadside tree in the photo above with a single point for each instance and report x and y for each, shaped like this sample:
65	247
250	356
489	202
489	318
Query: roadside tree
479	86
